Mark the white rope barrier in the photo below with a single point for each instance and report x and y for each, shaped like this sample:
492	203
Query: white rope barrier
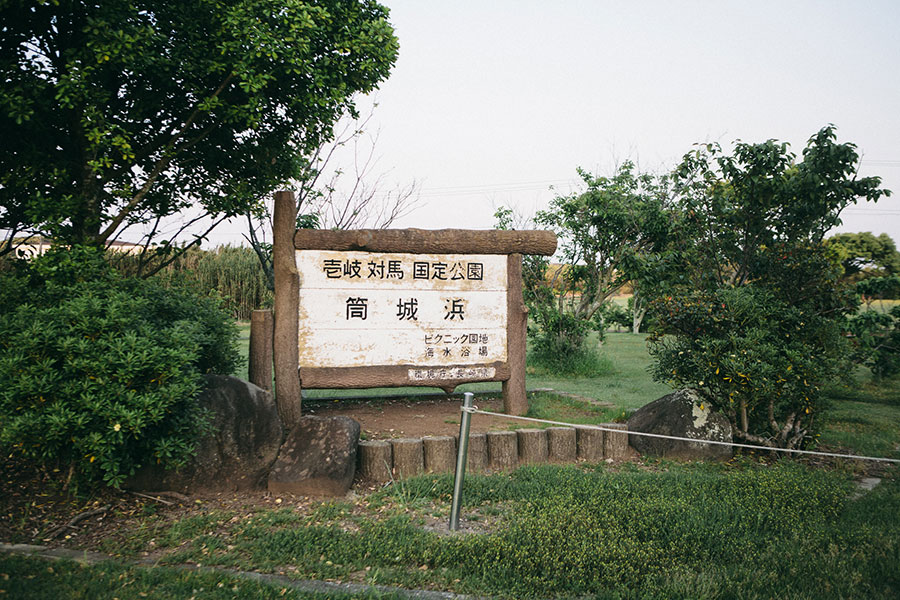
476	410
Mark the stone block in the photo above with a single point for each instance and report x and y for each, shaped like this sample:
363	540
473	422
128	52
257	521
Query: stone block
318	458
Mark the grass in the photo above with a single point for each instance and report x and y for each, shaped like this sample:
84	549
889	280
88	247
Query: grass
743	529
657	529
243	348
864	416
627	385
22	577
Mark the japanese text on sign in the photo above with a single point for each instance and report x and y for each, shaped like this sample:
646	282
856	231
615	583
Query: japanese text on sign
368	309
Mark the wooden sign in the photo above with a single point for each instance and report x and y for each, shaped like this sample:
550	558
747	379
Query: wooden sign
389	308
360	309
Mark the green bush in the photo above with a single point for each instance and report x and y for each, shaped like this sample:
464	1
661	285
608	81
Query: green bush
752	305
100	372
615	315
757	359
876	341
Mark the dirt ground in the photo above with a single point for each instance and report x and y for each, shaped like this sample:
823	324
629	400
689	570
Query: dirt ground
35	509
401	418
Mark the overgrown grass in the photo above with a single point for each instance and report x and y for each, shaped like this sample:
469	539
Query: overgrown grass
588	362
679	531
26	578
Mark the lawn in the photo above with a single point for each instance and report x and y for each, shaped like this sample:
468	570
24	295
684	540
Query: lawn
657	530
626	385
653	529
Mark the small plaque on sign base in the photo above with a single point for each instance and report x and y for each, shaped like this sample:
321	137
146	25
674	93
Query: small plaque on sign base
477	373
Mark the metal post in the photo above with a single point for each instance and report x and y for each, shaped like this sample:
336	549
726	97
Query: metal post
461	457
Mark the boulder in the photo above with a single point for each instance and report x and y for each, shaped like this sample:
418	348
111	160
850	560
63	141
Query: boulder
238	451
318	458
680	414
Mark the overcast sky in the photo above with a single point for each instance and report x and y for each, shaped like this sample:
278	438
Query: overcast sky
491	103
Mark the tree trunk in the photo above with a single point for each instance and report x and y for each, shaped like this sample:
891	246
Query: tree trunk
638	311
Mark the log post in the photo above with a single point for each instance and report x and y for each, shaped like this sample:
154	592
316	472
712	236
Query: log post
532	446
477	454
287	299
515	401
561	444
615	445
503	449
409	457
590	444
440	453
262	326
375	461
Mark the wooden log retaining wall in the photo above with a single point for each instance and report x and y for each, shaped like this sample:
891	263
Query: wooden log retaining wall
379	461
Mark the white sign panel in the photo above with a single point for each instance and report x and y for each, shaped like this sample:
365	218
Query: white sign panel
424	310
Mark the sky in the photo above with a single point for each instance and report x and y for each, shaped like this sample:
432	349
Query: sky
497	103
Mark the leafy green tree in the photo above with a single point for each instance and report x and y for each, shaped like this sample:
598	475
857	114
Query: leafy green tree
754	320
123	113
865	255
601	230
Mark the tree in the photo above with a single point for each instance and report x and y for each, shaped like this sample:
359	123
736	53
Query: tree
118	114
866	255
601	230
754	322
325	200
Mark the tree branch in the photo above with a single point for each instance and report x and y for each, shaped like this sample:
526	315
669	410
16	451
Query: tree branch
163	162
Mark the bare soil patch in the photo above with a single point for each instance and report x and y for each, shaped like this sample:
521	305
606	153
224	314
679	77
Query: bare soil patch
404	418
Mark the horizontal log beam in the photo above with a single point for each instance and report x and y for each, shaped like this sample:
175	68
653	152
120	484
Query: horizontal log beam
427	241
392	376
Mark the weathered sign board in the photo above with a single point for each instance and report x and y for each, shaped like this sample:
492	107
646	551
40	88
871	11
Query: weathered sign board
434	311
387	308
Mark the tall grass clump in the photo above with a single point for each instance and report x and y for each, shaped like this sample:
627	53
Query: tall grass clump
231	272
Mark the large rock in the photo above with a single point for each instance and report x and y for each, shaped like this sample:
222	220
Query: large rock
237	453
680	414
318	458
